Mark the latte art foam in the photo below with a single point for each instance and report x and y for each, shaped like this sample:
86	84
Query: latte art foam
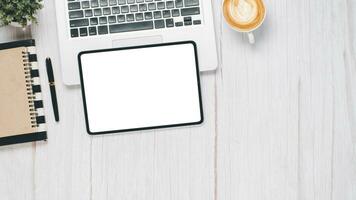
243	11
244	15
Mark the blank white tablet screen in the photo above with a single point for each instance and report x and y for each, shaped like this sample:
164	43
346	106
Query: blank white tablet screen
141	87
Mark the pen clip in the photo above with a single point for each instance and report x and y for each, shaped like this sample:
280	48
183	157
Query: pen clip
49	70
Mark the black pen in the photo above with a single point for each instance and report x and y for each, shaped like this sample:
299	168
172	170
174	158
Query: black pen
52	88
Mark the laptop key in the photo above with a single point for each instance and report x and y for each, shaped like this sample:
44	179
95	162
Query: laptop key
83	32
161	5
148	15
136	26
139	16
74	33
157	14
85	4
169	23
143	7
116	10
124	9
102	30
94	3
122	2
121	18
179	3
103	20
179	24
112	19
74	6
175	13
170	4
92	30
130	17
104	3
166	13
97	12
133	8
130	1
197	22
106	11
88	13
76	14
190	11
187	21
94	21
159	23
151	6
78	23
112	2
188	3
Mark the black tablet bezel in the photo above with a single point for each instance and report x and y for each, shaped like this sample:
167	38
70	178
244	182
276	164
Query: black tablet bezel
149	127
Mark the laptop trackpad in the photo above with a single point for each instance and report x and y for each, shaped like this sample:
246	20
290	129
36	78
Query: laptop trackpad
137	41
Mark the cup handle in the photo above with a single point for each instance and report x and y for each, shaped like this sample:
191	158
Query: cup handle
251	38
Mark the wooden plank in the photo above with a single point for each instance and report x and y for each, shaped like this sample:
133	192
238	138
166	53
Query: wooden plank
172	164
63	165
16	172
277	107
344	125
257	108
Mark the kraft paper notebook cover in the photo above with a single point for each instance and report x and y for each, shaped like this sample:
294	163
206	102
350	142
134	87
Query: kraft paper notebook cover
21	108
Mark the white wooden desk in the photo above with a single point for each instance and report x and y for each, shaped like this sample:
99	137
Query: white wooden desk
280	122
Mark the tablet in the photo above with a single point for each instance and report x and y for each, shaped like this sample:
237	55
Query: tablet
143	87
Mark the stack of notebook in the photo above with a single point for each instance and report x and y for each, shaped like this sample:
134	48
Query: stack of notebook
21	108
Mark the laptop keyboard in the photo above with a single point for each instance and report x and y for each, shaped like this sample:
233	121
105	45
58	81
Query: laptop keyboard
100	17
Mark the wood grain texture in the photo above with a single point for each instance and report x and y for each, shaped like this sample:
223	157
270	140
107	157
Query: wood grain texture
280	121
286	105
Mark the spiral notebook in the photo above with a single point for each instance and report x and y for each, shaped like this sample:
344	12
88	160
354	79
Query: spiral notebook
21	109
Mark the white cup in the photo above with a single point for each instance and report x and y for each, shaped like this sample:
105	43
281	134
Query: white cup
248	32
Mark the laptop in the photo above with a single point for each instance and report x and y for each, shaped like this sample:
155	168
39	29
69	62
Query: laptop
101	24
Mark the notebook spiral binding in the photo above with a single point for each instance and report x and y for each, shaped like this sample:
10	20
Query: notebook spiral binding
31	94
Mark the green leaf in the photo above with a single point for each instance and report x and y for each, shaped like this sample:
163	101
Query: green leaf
20	11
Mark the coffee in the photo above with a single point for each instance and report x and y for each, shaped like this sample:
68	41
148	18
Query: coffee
244	15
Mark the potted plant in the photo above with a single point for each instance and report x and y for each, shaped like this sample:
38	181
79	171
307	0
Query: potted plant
19	13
